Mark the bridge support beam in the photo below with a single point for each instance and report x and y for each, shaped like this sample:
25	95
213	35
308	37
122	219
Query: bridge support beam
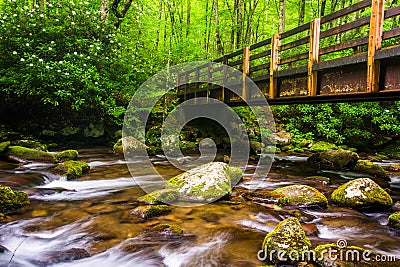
246	70
375	43
313	57
273	82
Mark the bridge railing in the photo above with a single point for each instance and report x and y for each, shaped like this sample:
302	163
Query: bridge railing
340	53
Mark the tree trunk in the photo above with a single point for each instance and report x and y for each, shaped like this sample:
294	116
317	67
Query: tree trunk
282	16
104	10
239	24
188	18
160	10
120	14
234	24
302	12
218	41
323	7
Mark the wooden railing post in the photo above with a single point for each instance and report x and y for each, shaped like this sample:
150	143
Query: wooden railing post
375	43
274	61
186	85
313	57
197	84
246	70
225	63
209	79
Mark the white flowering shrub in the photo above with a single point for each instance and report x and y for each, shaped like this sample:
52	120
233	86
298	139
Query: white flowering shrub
58	56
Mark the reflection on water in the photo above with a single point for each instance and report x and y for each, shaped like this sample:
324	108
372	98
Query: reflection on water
93	213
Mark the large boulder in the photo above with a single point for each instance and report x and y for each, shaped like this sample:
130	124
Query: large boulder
72	169
206	182
31	144
128	144
286	243
24	154
11	200
282	138
64	256
368	167
4	146
362	193
394	220
160	196
300	195
335	159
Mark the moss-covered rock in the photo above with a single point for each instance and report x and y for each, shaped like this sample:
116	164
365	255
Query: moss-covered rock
128	144
4	219
300	195
362	193
31	144
70	154
148	211
321	146
335	159
349	256
160	196
206	182
24	154
289	238
368	167
167	229
11	200
4	146
394	219
72	169
256	146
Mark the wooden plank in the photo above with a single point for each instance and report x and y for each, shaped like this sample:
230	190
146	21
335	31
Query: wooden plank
293	58
294	31
388	53
260	67
392	12
391	33
234	54
338	62
235	63
291	72
344	45
260	55
273	82
375	43
345	11
260	44
246	71
313	57
345	27
293	44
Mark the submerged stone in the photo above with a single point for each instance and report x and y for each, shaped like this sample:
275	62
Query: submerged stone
70	154
11	200
288	240
300	195
334	159
366	166
148	211
394	219
206	182
72	169
128	144
160	196
362	193
24	154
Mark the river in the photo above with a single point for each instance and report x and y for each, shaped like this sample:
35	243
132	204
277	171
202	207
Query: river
93	213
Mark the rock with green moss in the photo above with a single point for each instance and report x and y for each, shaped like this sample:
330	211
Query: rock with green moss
167	229
362	193
368	167
300	195
256	146
4	146
321	146
206	182
4	219
166	196
24	154
11	200
145	212
334	159
70	154
394	220
349	256
128	144
289	240
72	169
31	144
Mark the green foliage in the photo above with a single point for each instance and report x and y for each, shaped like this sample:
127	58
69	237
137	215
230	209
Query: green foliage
354	124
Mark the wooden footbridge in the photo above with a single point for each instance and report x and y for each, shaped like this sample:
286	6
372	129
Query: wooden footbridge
350	55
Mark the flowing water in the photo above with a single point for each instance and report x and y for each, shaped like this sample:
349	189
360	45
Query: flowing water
93	213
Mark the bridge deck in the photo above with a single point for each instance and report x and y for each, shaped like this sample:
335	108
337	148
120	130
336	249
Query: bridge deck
325	60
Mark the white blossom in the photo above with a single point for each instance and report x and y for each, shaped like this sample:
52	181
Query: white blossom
22	59
15	52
